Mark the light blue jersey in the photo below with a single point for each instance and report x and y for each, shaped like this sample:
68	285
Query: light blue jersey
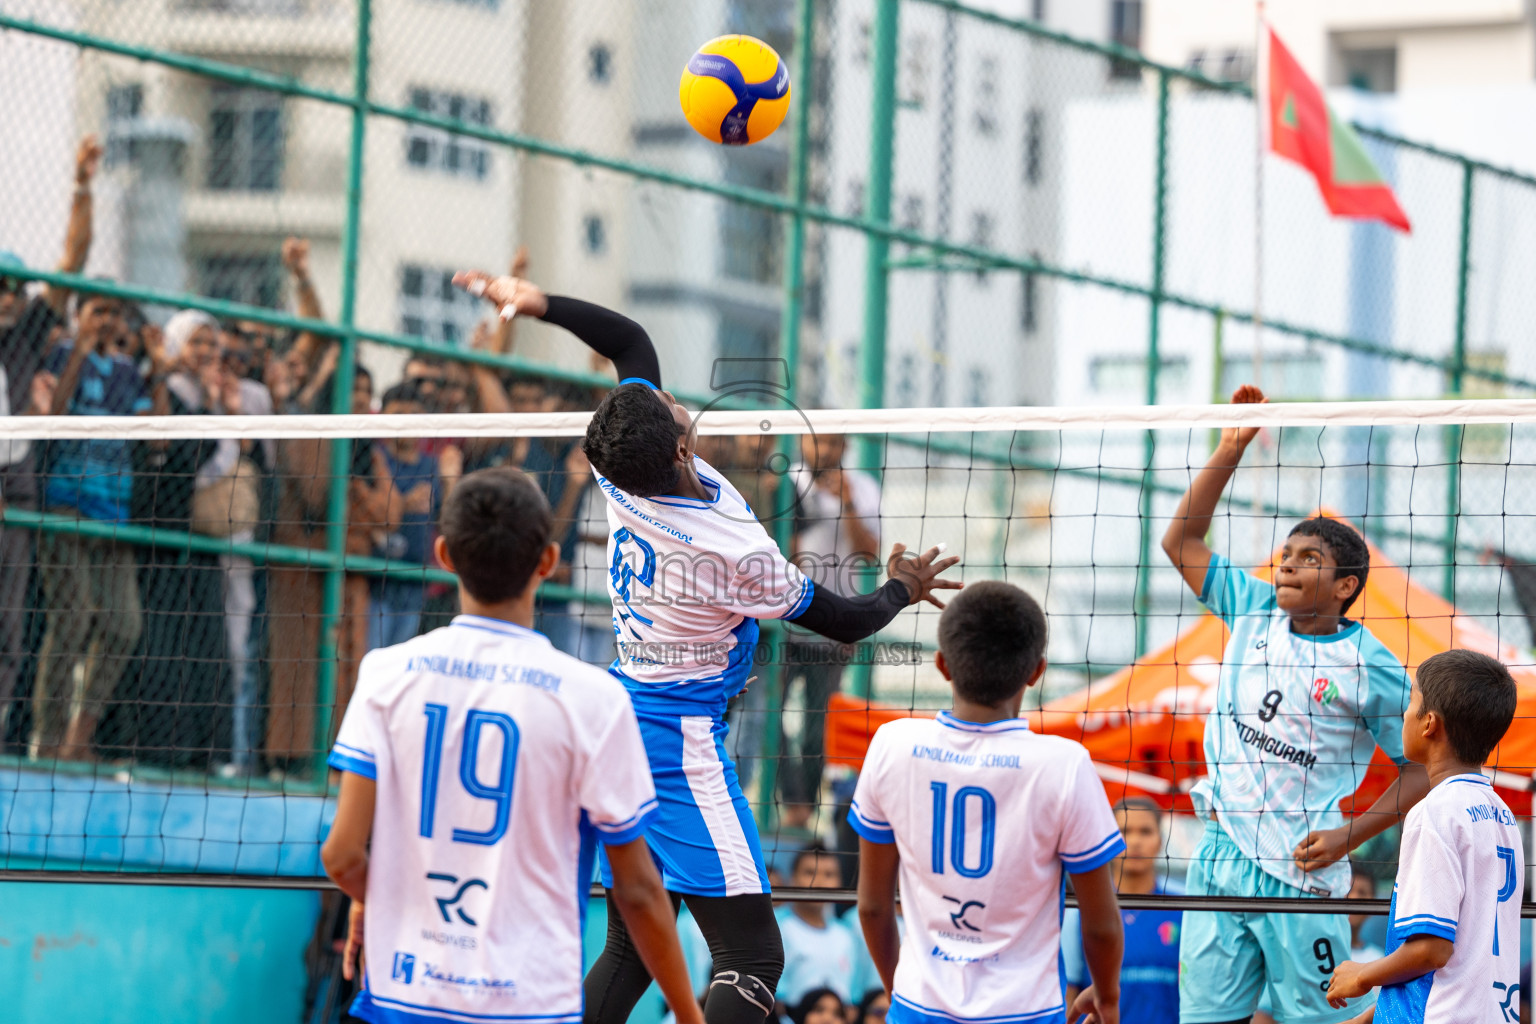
1296	722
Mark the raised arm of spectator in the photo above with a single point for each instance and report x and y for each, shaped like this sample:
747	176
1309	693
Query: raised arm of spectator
490	394
610	334
506	330
306	300
77	237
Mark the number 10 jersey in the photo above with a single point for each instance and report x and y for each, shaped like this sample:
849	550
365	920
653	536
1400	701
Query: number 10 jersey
1296	723
986	819
500	763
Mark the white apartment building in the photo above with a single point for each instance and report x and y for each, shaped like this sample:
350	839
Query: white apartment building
203	180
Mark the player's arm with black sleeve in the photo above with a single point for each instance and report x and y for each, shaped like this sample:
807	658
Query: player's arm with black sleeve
611	335
850	619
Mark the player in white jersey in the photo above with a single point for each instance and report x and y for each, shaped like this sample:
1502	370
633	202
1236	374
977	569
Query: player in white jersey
486	767
691	570
1453	940
983	820
1304	698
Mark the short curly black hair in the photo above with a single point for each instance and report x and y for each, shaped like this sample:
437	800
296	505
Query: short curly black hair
632	440
1474	695
1350	553
992	635
496	523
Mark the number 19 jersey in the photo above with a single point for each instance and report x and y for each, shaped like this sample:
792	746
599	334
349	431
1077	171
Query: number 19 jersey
500	763
987	819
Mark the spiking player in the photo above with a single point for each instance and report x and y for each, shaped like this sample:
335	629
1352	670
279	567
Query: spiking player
691	572
486	765
984	819
1305	696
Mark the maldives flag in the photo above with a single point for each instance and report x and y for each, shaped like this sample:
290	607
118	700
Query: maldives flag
1303	129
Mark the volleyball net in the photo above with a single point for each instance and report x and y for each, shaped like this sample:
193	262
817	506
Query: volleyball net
180	642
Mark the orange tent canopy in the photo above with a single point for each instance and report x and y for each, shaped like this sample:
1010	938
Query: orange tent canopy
1145	724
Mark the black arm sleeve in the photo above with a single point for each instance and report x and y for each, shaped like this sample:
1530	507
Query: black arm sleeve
850	619
609	334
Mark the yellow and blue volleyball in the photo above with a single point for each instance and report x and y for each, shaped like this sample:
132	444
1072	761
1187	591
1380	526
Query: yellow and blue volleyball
735	90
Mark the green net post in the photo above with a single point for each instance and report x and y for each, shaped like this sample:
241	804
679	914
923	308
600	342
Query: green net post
774	633
882	142
341	402
1456	381
1154	360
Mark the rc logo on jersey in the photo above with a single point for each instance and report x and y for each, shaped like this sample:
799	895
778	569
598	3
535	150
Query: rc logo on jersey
444	902
405	966
958	917
1509	1008
1325	691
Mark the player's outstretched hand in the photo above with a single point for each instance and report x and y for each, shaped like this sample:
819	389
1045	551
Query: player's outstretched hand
354	947
1345	984
1320	849
1248	394
511	295
920	573
1090	1009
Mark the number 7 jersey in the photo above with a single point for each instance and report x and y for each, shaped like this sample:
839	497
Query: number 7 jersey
1460	877
987	821
500	763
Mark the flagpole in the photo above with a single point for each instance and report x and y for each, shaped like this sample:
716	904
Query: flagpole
1260	95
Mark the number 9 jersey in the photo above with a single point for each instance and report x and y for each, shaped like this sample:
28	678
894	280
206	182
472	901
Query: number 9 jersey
987	820
500	763
1296	723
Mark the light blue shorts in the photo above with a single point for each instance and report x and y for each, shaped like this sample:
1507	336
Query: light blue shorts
1226	959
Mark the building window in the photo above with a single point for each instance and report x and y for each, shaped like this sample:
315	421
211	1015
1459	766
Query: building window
440	150
1037	10
432	308
1125	29
736	338
912	90
986	96
856	198
1125	376
245	139
252	280
911	214
863	42
1236	66
594	234
751	238
1372	69
1034	143
1029	305
982	230
976	387
599	63
1298	375
125	105
906	381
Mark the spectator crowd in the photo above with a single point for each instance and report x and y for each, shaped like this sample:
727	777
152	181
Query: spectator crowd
122	641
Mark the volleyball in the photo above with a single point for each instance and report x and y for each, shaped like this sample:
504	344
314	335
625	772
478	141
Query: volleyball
735	90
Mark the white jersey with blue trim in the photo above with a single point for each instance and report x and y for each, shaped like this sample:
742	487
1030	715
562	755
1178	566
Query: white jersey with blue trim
1296	722
689	579
987	821
1460	876
500	763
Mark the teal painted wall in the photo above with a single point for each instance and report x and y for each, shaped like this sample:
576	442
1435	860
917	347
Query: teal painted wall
120	954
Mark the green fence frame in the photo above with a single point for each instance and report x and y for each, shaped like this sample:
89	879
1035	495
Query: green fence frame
926	253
